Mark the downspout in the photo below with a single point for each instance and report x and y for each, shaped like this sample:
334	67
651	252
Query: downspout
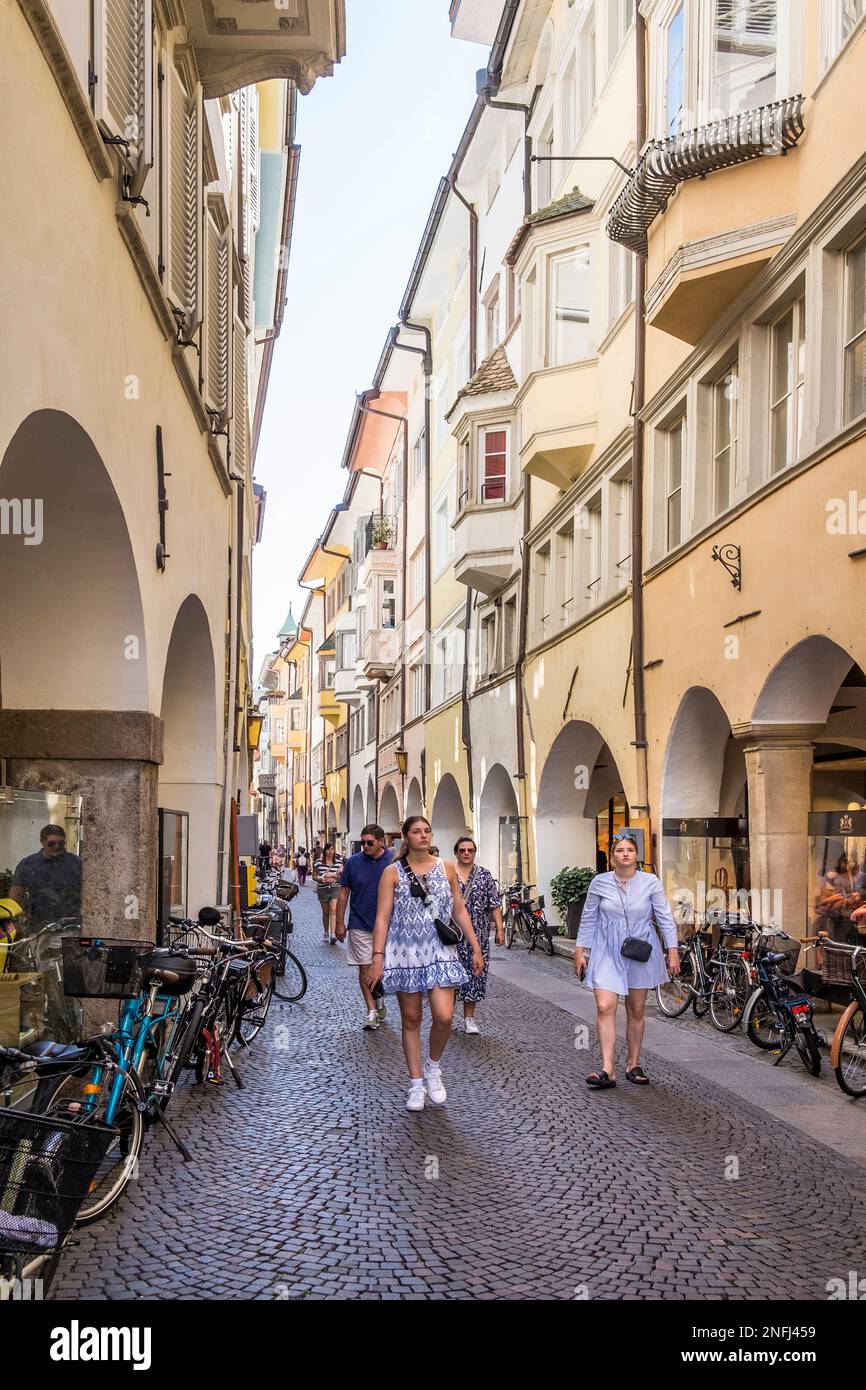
637	608
486	97
308	778
466	715
523	623
427	362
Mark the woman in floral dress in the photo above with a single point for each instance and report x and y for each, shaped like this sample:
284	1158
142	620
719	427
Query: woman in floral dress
482	901
409	957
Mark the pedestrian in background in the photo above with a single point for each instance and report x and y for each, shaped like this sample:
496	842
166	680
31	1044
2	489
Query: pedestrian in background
625	955
483	903
359	888
326	876
409	957
302	864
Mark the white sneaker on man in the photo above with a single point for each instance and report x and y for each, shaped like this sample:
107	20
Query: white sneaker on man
372	1020
416	1097
434	1084
470	1026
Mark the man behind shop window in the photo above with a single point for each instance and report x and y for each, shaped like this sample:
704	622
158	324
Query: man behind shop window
48	883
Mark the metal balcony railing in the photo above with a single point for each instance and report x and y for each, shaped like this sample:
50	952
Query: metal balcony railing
771	129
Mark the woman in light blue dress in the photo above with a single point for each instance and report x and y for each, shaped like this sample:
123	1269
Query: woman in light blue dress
620	904
410	959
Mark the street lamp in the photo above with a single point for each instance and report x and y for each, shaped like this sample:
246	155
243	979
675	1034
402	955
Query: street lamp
254	729
323	790
402	760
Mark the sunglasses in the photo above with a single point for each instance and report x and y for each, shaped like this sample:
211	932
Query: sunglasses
417	890
54	844
368	842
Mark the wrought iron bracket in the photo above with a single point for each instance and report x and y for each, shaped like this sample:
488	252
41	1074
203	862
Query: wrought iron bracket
731	557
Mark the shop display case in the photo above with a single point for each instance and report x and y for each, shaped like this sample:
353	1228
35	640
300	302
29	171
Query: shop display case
837	874
705	869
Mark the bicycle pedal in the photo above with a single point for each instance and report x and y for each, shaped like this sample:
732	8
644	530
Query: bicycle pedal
163	1088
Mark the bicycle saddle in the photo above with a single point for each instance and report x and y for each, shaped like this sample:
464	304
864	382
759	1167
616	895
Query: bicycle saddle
774	957
47	1050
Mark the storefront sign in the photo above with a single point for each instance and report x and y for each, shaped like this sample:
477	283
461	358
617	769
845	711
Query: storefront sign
837	823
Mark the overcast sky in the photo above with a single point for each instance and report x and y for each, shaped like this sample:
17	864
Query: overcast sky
375	140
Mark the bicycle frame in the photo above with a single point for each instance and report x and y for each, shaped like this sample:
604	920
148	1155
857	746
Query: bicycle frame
134	1029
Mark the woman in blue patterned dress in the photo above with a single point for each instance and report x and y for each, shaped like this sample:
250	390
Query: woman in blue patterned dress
482	901
620	904
410	959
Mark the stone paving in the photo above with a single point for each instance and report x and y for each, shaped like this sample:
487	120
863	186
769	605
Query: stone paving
314	1182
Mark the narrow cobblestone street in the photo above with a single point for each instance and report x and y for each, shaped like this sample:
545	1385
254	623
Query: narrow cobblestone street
313	1181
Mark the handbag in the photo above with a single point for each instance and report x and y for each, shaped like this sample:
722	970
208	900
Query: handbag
634	947
449	933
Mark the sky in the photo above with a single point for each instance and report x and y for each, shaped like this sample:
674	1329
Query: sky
375	140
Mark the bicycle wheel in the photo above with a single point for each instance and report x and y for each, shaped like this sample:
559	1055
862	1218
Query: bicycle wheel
221	1023
526	931
294	981
510	929
675	995
120	1164
177	1063
254	1012
767	1025
726	997
545	936
849	1051
806	1044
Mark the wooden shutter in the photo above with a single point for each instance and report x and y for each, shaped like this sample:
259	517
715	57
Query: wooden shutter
240	410
216	323
123	69
183	180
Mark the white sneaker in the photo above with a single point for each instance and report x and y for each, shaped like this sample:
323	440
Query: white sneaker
470	1026
415	1099
372	1020
433	1082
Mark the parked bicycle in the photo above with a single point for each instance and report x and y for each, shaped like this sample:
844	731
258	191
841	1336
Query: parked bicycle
719	983
846	965
778	1015
525	917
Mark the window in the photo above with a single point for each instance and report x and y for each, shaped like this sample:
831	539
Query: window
674	450
744	53
542	592
441	394
587	76
509	626
416	568
725	393
593	551
622	531
787	384
565	574
570	308
443	519
491	317
840	19
544	167
621	280
122	67
417	690
388	603
183	179
494	483
855	331
675	60
342	746
418	451
346	655
461	362
279	731
621	20
569	107
487	646
447	648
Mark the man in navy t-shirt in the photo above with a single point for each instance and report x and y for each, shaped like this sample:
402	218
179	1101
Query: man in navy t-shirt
360	882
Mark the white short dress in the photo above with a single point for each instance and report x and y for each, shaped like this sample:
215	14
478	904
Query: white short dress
615	909
415	958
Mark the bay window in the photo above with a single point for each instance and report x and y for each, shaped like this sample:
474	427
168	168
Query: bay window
569	308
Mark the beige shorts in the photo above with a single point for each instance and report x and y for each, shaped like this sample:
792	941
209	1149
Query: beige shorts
360	946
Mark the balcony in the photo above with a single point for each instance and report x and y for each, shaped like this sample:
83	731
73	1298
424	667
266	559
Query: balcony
376	549
559	415
484	545
380	653
476	21
239	42
345	689
296	740
329	706
267	783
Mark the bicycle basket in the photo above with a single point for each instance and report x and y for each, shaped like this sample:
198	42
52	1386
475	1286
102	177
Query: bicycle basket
838	963
96	967
46	1170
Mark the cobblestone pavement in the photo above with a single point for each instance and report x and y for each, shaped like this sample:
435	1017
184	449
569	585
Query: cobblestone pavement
314	1182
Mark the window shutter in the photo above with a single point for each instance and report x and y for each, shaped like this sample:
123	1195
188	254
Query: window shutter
183	175
216	339
123	68
240	413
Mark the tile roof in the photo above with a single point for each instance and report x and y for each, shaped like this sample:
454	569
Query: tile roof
572	202
494	374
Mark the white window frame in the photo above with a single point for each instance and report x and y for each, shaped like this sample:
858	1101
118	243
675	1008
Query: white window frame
418	457
542	585
576	253
443	548
679	425
136	76
792	399
494	427
565	593
621	279
850	340
492	307
620	19
620	524
833	36
727	380
416	569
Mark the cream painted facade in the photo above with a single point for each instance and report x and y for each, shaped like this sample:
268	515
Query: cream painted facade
129	411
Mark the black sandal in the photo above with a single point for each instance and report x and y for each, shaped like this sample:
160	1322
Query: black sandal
599	1081
638	1076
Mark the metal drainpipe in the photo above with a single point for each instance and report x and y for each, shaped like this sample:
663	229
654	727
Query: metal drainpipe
308	780
465	711
523	620
427	353
640	738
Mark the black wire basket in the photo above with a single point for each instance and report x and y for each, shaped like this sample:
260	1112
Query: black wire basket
47	1167
98	967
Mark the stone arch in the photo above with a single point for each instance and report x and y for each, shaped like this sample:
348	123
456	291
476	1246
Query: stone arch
359	818
448	817
190	778
72	632
414	804
389	810
801	686
497	843
371	813
578	779
704	770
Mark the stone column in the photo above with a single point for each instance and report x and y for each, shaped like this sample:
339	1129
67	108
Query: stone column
779	772
110	758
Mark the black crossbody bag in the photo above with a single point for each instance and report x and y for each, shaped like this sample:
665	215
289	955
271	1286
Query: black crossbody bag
634	947
449	933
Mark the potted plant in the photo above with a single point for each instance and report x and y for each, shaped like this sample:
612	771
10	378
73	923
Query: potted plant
381	533
568	889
